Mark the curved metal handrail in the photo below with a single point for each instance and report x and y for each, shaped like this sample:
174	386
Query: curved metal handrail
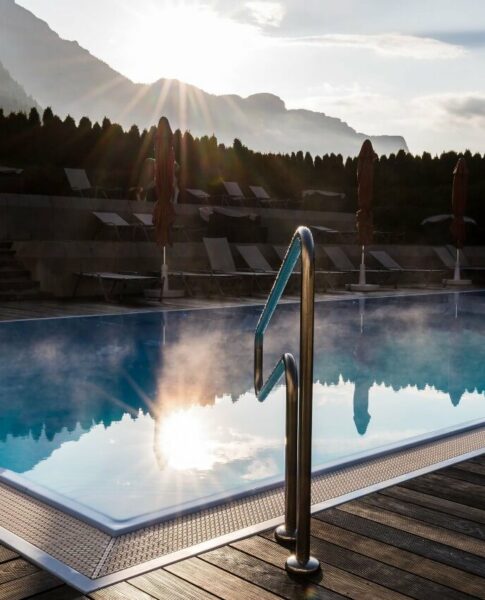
299	413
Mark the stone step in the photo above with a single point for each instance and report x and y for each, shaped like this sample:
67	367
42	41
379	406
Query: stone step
32	294
8	261
12	273
4	252
17	284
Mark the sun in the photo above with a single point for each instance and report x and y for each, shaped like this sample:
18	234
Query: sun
189	42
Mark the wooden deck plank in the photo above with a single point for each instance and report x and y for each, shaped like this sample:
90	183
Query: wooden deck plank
25	587
402	539
339	581
440	504
15	569
434	571
464	475
120	591
216	581
162	585
427	515
430	532
7	554
472	467
459	491
479	459
270	577
381	572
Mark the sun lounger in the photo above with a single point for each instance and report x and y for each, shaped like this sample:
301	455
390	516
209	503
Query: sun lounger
447	255
199	194
111	220
115	279
339	259
262	195
79	182
255	260
383	258
145	221
322	274
222	262
342	264
234	192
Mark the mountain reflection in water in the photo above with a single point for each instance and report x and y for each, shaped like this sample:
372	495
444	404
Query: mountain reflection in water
64	376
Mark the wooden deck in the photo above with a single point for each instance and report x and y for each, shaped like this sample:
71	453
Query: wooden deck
423	539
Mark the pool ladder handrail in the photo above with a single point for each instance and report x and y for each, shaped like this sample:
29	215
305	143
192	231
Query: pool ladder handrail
299	400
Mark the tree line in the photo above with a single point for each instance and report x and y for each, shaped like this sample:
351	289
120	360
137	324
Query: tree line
407	187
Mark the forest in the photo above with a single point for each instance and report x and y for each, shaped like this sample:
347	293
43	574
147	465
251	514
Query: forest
408	187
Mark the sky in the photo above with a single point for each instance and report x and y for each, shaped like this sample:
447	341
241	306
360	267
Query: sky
413	68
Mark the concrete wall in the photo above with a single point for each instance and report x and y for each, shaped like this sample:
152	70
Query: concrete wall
54	240
54	264
29	217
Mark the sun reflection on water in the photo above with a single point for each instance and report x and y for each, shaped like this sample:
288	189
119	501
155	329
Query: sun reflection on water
184	442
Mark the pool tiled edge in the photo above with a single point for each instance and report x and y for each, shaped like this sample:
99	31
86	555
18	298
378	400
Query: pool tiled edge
88	558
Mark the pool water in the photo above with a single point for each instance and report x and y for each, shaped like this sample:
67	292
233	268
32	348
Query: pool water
127	418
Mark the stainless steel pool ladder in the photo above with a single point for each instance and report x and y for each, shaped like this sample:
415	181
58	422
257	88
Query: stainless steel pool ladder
299	401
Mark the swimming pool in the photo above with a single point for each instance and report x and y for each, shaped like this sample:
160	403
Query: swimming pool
128	419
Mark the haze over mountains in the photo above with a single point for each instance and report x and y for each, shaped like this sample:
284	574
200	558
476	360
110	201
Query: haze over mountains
12	95
63	75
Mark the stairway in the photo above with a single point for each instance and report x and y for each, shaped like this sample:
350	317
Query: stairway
15	281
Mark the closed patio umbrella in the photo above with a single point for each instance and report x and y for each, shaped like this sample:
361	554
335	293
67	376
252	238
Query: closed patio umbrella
365	192
164	212
458	205
165	189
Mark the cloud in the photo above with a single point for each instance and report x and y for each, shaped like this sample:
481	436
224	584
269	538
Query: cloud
388	44
370	110
465	108
469	39
266	13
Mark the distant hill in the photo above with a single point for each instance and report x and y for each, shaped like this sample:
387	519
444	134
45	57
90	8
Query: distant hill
12	95
65	76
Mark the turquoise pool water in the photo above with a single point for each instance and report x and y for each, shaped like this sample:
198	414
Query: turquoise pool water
128	418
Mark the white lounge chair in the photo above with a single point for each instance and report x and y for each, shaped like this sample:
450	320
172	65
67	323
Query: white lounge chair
111	220
322	274
447	255
383	258
255	260
199	194
79	182
339	259
222	262
234	192
262	195
145	221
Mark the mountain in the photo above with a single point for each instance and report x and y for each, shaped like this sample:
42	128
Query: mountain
13	97
63	75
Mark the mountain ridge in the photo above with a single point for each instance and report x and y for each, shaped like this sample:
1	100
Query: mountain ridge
13	97
80	84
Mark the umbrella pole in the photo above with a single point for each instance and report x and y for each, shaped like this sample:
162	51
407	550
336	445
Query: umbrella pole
362	269
164	272
456	275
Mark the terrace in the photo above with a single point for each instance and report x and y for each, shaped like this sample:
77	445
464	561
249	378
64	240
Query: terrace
131	544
